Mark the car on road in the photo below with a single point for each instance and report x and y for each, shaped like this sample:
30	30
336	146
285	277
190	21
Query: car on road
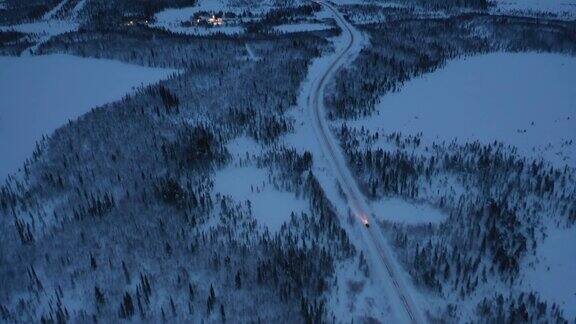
365	222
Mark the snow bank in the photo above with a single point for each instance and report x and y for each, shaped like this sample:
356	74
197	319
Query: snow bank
401	211
553	276
39	94
526	100
270	207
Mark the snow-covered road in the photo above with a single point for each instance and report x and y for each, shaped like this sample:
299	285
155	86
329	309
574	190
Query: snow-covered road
396	283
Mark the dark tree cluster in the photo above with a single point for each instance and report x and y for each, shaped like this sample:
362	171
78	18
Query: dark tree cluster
99	11
13	42
17	11
525	308
282	16
448	4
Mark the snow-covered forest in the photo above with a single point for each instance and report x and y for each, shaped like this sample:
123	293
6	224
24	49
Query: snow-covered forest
186	182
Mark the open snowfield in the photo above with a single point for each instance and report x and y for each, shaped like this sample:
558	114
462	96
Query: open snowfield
270	207
553	276
241	182
38	94
525	100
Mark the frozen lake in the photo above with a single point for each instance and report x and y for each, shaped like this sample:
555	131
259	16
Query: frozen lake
526	100
39	94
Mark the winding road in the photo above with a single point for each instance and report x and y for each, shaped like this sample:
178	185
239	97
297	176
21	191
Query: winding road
398	292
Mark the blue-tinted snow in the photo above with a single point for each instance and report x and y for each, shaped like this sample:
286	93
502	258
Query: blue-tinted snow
38	94
527	100
270	207
553	274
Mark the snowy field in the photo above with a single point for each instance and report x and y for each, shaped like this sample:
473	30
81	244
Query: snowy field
553	275
562	8
526	100
38	94
270	206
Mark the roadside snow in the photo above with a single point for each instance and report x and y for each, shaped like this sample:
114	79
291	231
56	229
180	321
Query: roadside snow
372	303
355	297
38	94
553	275
400	211
526	100
269	206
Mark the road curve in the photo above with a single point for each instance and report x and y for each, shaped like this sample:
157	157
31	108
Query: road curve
378	246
